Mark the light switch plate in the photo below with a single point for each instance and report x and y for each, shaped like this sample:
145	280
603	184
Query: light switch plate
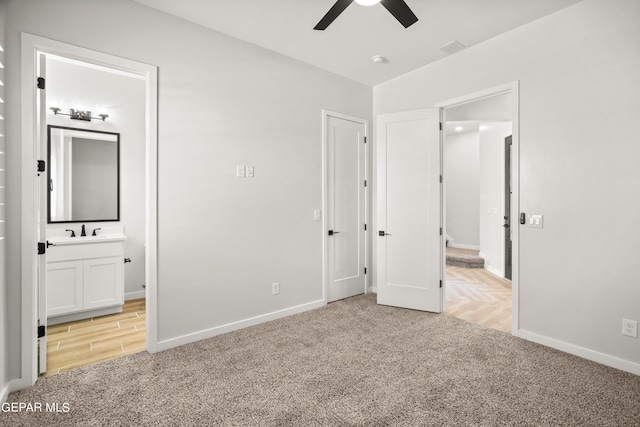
250	172
240	171
535	220
316	215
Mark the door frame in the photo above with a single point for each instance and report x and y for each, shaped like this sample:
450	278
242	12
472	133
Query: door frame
512	88
31	45
325	187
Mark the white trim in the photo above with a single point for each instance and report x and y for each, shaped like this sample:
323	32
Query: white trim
512	88
482	255
461	246
30	46
325	177
234	326
4	393
493	270
586	353
134	295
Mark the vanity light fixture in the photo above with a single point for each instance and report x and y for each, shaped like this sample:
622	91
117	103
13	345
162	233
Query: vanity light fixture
79	115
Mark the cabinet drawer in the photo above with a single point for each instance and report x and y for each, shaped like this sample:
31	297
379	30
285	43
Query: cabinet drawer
84	251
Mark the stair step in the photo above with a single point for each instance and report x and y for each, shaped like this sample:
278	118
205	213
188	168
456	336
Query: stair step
466	258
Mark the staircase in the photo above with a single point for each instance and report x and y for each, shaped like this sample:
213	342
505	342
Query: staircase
466	258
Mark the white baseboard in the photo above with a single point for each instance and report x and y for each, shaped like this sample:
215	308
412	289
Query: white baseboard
493	270
585	353
4	393
234	326
134	295
461	246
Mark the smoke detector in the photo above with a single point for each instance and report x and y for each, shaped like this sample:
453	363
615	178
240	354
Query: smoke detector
378	59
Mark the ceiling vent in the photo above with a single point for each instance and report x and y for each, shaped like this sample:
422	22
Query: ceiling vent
452	47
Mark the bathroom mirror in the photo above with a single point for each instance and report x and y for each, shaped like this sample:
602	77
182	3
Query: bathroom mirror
84	175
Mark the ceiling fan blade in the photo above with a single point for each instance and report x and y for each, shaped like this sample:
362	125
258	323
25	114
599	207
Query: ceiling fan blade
400	11
333	13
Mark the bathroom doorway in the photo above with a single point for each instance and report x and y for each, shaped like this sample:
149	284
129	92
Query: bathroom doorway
50	103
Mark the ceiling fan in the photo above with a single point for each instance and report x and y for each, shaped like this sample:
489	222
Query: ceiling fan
398	8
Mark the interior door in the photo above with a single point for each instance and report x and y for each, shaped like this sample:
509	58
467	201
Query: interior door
409	241
345	220
41	214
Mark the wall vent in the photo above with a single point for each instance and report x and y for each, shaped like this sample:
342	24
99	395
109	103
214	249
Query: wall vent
452	47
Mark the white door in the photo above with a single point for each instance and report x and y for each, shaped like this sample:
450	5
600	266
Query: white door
41	213
345	221
409	241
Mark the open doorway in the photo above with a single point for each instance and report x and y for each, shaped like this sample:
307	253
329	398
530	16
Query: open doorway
75	88
95	304
478	186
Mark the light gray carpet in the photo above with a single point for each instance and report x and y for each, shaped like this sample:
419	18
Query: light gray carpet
350	363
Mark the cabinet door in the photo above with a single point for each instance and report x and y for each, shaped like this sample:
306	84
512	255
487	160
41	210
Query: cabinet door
64	287
103	282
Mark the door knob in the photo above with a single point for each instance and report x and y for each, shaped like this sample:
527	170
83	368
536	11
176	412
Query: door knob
331	232
382	234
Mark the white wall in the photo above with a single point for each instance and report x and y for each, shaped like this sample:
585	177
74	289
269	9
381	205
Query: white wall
579	73
222	102
70	85
462	178
491	200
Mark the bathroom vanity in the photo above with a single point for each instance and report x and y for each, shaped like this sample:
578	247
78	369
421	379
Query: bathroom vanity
85	277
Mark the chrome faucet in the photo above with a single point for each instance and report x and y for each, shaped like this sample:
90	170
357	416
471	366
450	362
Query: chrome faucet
83	233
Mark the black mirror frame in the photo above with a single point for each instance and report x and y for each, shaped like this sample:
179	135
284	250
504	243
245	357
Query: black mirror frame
117	135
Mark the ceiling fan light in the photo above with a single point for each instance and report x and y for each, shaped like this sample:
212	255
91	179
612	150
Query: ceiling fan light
367	2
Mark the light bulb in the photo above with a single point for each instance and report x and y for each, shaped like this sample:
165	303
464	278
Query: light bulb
367	2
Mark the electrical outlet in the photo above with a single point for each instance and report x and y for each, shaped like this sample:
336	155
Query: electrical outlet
275	288
630	328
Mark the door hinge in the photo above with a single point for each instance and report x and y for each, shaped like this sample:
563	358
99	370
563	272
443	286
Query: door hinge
365	270
441	231
41	83
365	227
42	248
365	182
42	166
365	139
42	331
440	179
440	283
440	125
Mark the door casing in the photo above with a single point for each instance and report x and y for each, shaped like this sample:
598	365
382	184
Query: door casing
513	89
31	46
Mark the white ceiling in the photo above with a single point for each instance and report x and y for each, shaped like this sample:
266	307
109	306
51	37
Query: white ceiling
346	47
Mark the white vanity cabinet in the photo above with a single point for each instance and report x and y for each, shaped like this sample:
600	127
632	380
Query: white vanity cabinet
84	276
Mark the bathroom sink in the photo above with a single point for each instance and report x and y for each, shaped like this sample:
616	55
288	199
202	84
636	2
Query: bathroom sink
66	240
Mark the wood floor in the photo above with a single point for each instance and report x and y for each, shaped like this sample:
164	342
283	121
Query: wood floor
85	342
475	295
